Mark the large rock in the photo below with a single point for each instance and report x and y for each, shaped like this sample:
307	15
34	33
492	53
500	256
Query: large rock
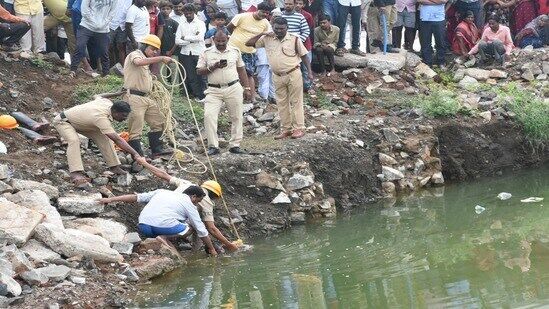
386	159
55	272
391	174
412	60
467	82
264	179
11	286
298	181
19	261
39	201
71	242
38	252
156	266
6	268
495	73
34	277
478	74
110	230
81	204
424	70
5	188
20	185
379	62
17	223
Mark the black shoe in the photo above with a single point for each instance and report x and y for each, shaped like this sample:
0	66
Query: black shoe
377	43
156	145
136	145
237	150
213	151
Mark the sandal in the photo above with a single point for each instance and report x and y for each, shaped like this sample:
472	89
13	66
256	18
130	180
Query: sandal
340	52
357	52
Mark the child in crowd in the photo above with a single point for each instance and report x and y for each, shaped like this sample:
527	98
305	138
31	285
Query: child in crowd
220	22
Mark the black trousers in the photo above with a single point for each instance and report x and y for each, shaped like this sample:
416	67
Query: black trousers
11	33
327	52
83	36
194	81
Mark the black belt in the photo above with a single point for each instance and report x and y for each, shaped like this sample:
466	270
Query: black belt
137	92
223	85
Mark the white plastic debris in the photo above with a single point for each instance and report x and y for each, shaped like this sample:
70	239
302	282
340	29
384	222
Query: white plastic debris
504	196
3	148
479	209
532	200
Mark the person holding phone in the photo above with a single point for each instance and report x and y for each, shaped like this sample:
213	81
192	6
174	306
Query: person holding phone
226	73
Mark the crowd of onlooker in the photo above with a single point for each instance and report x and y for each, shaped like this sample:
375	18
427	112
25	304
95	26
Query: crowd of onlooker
100	33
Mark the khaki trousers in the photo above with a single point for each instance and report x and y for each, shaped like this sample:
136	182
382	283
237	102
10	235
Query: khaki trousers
375	27
51	22
70	132
233	98
35	39
144	110
289	100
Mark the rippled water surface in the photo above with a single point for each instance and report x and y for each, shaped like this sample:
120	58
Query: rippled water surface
428	251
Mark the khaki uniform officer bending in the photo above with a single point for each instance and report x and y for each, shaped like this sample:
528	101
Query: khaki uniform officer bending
138	81
224	67
93	120
285	52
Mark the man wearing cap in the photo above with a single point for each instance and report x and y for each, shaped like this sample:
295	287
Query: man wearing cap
138	82
212	191
285	53
224	67
93	120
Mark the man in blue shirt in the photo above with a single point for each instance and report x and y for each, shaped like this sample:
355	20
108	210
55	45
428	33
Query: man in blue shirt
432	24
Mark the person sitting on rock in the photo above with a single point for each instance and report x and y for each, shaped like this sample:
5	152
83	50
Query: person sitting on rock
166	213
12	29
326	37
212	191
466	35
93	120
536	33
496	41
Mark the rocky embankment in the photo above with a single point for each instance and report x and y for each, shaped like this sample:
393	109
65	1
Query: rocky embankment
365	141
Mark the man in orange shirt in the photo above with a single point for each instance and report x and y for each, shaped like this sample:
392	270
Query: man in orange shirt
12	29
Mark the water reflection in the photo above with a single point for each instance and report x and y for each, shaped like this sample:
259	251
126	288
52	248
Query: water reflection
424	251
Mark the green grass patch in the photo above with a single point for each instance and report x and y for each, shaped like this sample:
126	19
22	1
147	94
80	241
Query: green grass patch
531	111
41	63
439	103
85	92
321	101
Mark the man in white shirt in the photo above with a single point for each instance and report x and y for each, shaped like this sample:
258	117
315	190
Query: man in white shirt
137	23
166	214
177	13
118	34
190	36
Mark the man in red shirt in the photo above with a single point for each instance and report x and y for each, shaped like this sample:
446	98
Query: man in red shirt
12	29
156	19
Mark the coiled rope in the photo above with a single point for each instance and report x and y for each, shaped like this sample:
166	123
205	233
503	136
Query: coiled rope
163	97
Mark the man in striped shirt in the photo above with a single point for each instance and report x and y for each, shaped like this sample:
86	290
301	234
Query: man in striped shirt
298	26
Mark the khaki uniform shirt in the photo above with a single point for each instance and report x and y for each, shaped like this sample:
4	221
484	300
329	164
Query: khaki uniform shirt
330	38
206	205
137	77
284	54
223	75
94	115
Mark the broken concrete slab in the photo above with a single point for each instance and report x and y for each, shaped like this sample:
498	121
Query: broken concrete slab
298	181
17	223
39	201
110	230
390	62
71	242
20	185
55	272
38	252
81	204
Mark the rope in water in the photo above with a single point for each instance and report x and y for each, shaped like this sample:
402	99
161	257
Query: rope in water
163	97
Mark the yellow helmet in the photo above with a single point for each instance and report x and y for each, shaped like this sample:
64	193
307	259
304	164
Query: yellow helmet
8	122
152	40
213	186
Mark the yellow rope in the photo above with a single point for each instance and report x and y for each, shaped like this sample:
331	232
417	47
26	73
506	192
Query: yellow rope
163	97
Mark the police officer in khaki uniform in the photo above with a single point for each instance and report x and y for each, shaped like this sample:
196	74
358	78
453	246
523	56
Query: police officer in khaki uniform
93	120
138	81
224	67
285	52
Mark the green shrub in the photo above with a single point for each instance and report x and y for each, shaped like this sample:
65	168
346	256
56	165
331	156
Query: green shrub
531	111
439	103
110	83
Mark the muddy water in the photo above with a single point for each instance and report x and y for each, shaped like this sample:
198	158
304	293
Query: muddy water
428	252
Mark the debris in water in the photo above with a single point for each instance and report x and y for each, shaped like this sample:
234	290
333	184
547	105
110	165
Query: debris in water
496	225
371	241
479	209
504	196
532	200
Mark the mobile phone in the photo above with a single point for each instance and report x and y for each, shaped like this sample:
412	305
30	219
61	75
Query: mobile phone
223	61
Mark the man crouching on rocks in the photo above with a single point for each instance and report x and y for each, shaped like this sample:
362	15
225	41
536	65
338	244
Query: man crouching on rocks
167	212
